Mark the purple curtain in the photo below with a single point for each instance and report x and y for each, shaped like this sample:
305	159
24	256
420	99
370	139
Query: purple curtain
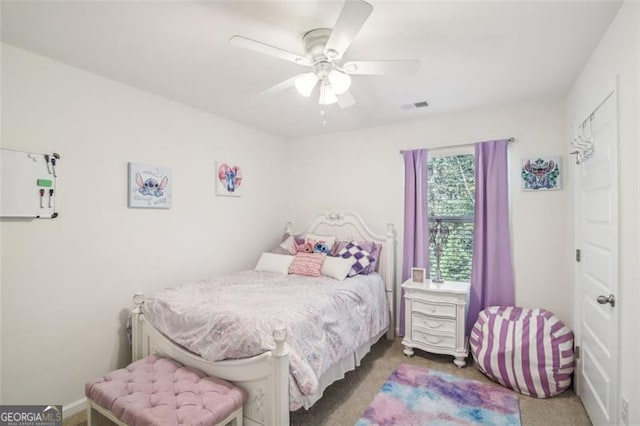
416	235
492	271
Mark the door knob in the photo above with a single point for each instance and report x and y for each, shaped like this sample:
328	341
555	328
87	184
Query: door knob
603	300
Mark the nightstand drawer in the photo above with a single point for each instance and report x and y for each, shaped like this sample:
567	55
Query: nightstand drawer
436	309
429	323
434	340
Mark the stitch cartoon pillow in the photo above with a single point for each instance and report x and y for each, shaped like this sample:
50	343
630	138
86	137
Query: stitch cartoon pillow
321	247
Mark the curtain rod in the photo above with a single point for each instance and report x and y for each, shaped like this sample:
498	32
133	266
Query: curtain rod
510	140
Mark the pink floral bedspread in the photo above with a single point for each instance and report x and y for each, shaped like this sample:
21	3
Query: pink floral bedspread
233	316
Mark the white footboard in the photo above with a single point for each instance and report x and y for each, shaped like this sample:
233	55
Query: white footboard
265	377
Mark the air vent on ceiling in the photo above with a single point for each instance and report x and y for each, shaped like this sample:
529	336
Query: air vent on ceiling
416	105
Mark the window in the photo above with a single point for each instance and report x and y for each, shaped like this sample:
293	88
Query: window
451	184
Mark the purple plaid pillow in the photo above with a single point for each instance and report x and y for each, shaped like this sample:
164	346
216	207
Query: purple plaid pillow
372	247
362	258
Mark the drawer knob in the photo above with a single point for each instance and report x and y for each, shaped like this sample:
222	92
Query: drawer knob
433	324
432	339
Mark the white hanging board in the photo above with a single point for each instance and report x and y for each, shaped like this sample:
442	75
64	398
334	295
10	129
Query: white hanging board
23	175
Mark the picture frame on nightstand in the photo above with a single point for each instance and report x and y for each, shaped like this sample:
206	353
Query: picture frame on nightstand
418	275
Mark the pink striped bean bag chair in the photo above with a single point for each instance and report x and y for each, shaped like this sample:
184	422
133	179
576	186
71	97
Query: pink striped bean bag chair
527	350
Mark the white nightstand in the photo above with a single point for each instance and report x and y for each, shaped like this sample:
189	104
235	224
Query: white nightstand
435	317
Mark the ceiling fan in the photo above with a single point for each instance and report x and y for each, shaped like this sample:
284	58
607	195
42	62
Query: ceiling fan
323	52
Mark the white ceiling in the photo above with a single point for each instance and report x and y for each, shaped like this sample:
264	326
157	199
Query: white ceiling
472	53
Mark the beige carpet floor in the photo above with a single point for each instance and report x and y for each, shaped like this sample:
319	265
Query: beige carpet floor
344	402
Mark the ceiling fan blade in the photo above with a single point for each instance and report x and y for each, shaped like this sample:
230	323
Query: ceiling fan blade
346	100
267	49
403	66
280	87
352	18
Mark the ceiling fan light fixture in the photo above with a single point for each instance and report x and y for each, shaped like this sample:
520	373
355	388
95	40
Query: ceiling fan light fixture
340	82
323	52
305	84
332	53
327	96
350	67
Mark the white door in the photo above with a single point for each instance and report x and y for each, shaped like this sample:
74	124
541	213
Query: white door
597	271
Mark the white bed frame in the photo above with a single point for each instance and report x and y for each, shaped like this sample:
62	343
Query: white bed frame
266	376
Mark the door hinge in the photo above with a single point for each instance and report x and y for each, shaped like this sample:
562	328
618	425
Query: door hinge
577	255
576	352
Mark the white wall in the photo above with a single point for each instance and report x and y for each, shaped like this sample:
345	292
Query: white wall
363	171
617	54
67	283
1	255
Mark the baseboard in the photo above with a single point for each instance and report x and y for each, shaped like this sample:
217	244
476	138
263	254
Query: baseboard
74	408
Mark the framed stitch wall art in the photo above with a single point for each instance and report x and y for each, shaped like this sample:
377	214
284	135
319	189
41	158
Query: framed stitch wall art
540	173
228	179
149	186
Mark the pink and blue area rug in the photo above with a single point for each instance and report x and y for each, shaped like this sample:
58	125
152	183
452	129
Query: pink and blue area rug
415	396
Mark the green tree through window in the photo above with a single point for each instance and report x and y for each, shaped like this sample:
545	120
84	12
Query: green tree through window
452	186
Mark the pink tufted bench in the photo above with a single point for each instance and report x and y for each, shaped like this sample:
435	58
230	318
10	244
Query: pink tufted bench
161	392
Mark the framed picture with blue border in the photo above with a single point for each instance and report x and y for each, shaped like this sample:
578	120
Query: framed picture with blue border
149	186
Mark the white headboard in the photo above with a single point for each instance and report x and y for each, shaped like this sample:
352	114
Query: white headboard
348	225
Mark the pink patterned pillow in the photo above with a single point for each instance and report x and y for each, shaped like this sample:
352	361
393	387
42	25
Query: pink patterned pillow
308	264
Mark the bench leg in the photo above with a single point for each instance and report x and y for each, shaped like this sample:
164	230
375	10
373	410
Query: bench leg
234	419
95	411
92	415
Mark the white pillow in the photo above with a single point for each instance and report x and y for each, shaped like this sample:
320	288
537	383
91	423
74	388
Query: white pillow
321	238
337	267
271	262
